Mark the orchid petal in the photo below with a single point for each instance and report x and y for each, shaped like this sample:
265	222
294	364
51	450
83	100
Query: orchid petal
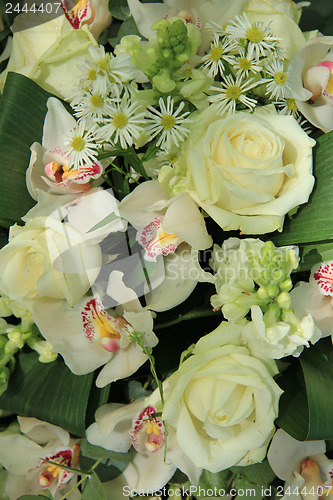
145	15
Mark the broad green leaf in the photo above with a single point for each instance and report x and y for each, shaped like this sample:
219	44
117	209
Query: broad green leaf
313	253
258	473
112	463
119	9
313	223
51	393
22	113
31	497
128	28
93	489
244	488
109	218
306	410
219	480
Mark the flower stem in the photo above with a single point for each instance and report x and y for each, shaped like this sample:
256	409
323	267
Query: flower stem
194	314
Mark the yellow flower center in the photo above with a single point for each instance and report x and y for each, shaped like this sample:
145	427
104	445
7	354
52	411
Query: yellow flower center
78	143
120	120
168	121
244	63
233	92
103	64
280	78
92	74
291	103
216	53
255	34
97	101
172	158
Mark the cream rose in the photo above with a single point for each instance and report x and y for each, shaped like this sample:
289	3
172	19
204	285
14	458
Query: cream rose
222	402
47	258
245	171
47	52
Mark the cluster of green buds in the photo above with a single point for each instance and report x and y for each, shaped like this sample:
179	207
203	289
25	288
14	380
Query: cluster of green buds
254	273
176	43
15	337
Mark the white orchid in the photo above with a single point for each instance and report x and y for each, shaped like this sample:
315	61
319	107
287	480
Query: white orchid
49	168
23	454
118	427
307	472
88	336
316	297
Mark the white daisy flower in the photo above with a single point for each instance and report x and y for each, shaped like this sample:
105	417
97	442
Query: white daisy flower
168	123
259	38
92	105
277	83
231	93
82	145
244	65
120	68
125	124
287	106
218	52
214	28
94	70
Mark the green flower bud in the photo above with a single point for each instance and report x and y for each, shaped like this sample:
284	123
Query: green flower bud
268	252
278	275
15	342
272	290
262	293
284	300
286	285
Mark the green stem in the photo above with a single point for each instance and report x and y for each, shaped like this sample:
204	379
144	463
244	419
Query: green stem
199	313
86	476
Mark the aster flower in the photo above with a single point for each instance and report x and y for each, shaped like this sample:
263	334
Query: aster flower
259	38
213	61
168	123
244	65
287	106
277	86
92	105
124	124
82	146
231	93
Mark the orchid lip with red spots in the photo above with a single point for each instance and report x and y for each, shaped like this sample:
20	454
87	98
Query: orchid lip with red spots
323	277
147	433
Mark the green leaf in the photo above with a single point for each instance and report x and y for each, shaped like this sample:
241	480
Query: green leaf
306	410
93	489
313	223
31	497
219	480
258	473
111	465
51	393
109	218
119	9
22	114
128	28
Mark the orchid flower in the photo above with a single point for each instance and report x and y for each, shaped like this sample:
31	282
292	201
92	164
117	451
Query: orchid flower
89	336
49	168
316	297
23	454
118	427
94	13
313	66
307	472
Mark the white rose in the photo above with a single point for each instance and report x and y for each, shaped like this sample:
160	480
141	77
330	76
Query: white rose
47	52
46	258
314	63
245	171
222	402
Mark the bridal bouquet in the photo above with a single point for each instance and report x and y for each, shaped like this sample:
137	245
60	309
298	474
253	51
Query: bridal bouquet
166	261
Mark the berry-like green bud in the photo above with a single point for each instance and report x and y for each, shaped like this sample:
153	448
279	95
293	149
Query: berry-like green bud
284	300
262	293
286	285
268	252
272	290
278	275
